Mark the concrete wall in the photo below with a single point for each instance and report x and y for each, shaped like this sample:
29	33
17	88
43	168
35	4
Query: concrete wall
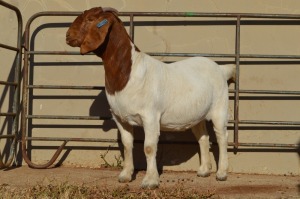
194	35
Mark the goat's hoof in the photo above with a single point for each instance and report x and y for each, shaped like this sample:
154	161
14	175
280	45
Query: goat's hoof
221	177
203	174
124	178
204	170
149	186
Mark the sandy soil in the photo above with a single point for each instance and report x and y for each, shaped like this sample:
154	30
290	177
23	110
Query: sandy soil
237	185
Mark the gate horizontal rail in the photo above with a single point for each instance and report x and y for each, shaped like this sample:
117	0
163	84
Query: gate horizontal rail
179	55
16	93
278	92
238	17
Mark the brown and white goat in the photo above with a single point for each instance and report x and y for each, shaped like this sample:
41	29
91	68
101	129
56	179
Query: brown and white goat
146	92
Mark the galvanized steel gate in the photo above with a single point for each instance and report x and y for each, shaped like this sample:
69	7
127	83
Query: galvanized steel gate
12	116
236	58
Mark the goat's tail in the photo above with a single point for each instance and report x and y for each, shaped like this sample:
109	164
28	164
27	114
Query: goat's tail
229	71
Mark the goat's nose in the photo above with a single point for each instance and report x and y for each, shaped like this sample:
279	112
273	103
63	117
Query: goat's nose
68	37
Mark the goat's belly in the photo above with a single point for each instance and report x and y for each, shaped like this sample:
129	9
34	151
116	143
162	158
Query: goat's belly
178	127
182	121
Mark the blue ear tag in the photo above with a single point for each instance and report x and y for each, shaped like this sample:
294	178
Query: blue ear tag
102	23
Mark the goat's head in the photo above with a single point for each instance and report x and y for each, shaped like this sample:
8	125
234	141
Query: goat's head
89	30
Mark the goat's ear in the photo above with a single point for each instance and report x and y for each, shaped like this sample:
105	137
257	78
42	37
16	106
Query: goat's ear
95	36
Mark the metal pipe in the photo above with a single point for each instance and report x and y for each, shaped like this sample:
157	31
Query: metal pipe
160	142
66	87
281	92
237	87
131	28
277	92
46	165
8	83
16	84
291	123
25	95
73	139
7	136
62	117
219	15
177	14
292	146
8	114
179	55
9	47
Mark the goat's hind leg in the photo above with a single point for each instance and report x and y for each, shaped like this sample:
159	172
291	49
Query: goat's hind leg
126	132
202	137
219	123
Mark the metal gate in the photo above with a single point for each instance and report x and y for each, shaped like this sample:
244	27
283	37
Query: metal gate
12	116
236	19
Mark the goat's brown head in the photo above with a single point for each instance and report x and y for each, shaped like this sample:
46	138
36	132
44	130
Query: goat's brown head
89	30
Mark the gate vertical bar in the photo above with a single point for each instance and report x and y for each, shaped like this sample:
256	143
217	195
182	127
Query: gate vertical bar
237	85
17	78
16	84
24	91
131	29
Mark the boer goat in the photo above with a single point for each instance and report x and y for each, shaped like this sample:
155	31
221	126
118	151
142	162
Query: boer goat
143	91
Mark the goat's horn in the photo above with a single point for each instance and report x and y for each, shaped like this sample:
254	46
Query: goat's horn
109	9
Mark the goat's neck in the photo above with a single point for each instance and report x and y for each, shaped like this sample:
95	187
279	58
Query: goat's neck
117	59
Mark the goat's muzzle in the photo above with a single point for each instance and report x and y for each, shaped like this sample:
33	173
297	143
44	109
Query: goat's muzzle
70	41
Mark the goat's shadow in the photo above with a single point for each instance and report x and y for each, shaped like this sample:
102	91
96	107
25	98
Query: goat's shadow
174	148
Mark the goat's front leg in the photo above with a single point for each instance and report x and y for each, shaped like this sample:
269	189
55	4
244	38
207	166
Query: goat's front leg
126	132
152	131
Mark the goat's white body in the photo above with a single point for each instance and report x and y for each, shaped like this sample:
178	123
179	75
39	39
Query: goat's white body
175	96
182	93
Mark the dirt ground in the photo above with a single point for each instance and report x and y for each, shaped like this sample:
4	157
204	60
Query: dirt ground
237	185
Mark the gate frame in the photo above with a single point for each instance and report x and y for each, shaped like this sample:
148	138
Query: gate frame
237	91
16	84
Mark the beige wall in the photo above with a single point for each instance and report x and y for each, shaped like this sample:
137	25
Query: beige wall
255	39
